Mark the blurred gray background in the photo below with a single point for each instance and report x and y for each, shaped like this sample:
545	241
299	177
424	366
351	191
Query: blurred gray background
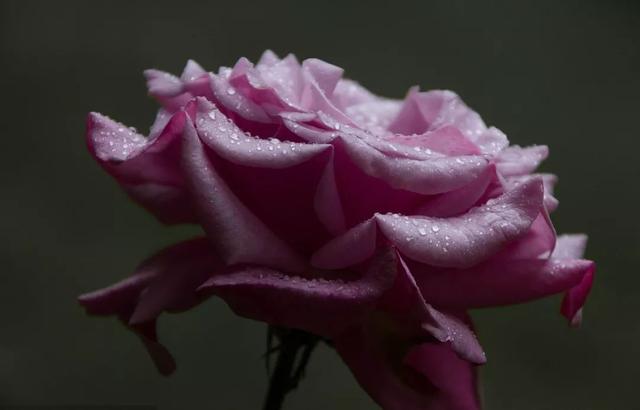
564	73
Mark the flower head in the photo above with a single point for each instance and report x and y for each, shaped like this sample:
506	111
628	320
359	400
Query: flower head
372	222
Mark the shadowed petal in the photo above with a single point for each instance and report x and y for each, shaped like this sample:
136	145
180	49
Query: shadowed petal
354	246
454	378
322	306
407	305
499	282
399	376
239	236
165	282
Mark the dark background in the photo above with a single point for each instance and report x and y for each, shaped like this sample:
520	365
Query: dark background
564	73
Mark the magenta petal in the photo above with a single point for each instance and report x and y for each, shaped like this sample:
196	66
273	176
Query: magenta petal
147	168
322	306
376	373
454	378
459	201
349	92
430	376
468	239
235	102
570	246
186	267
539	241
192	71
231	143
325	74
549	181
447	140
354	246
521	161
406	303
166	281
576	297
499	282
239	236
160	355
327	203
428	176
424	111
375	115
162	84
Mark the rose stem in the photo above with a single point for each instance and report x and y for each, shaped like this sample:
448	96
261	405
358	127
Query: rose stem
284	377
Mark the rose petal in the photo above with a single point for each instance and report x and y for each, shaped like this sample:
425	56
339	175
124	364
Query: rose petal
447	140
421	176
231	143
354	246
498	282
148	169
424	111
376	362
322	306
325	74
406	303
454	378
166	281
238	235
516	160
468	239
570	246
459	201
576	297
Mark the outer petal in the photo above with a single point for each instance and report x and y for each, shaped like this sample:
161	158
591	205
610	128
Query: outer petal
405	302
499	282
173	92
549	181
376	361
570	247
521	161
148	169
167	281
454	378
238	234
576	297
469	239
322	306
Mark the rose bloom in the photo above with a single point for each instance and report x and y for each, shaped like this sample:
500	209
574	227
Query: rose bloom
371	222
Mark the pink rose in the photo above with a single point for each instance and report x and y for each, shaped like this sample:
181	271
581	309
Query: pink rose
373	223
